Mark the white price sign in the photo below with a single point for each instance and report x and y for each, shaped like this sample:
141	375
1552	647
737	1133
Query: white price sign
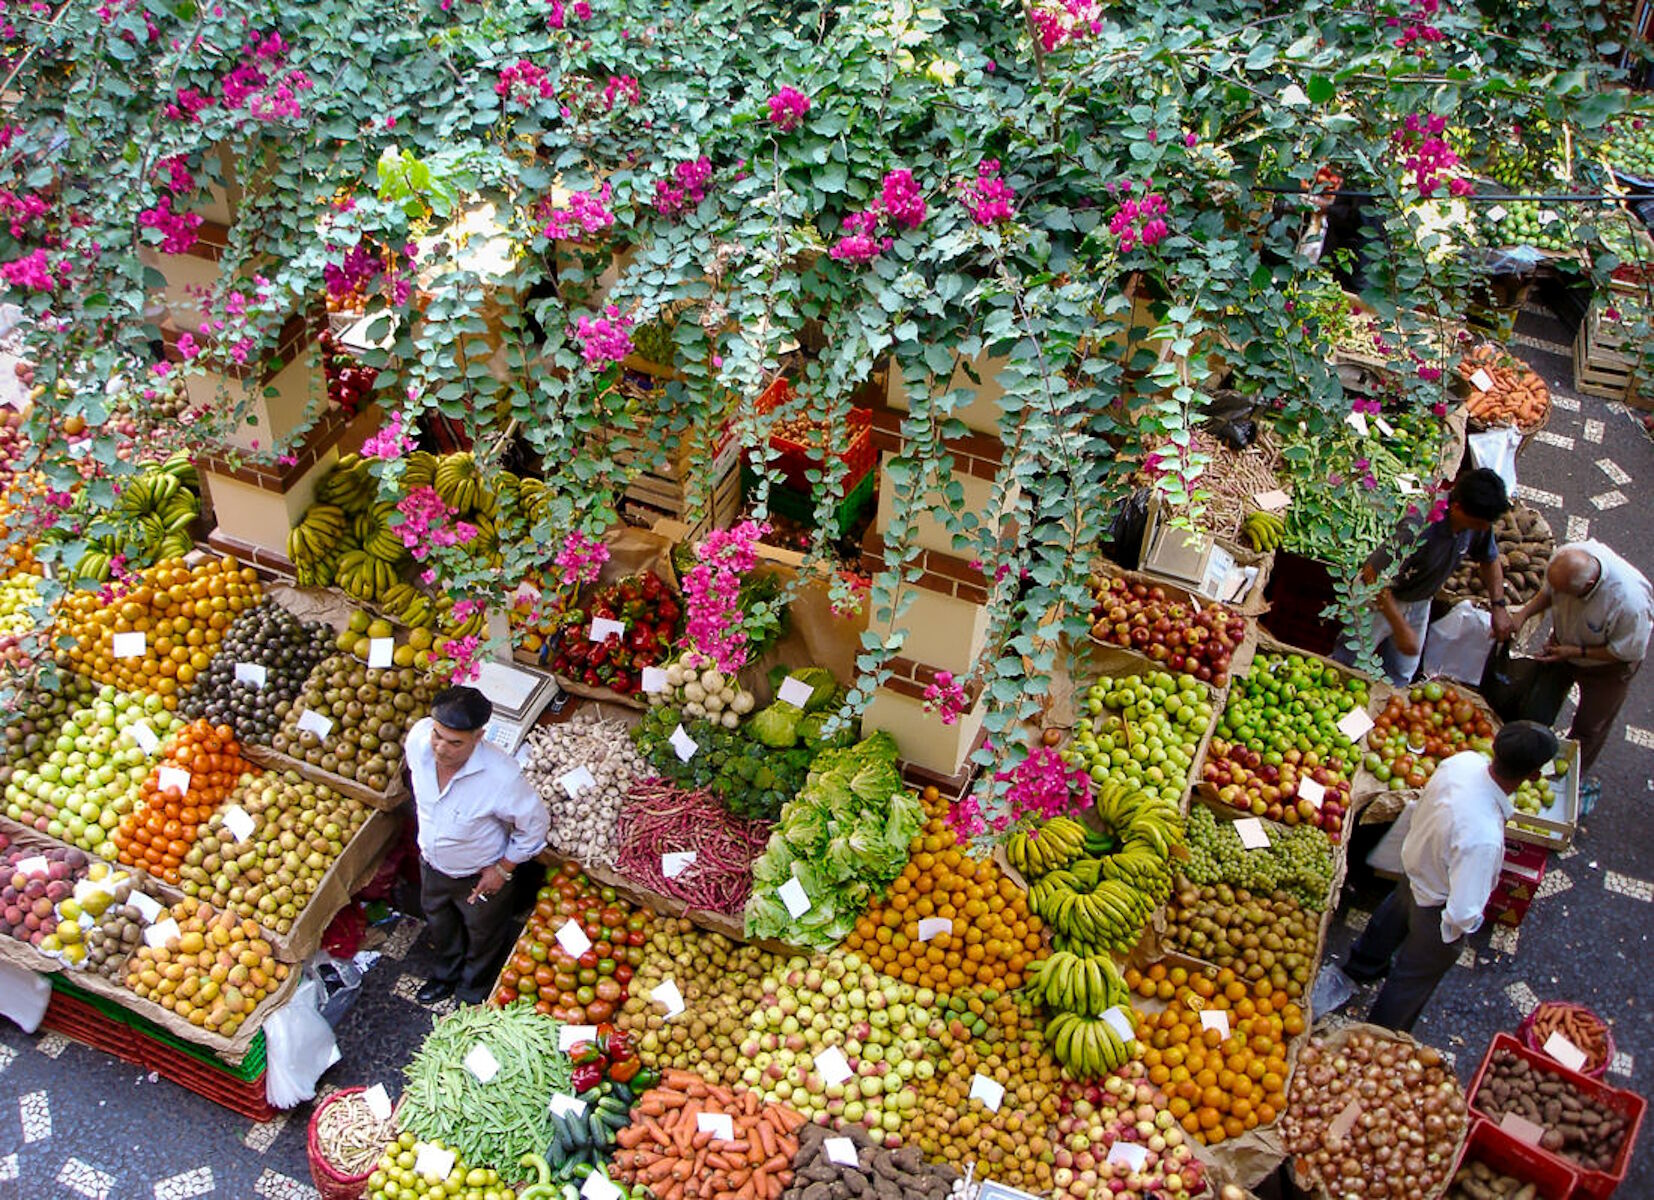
1482	380
1215	1018
1129	1155
567	1106
378	1101
1252	834
930	927
172	779
654	680
160	933
1358	422
841	1150
481	1063
675	864
432	1162
795	692
251	673
314	722
604	628
990	1092
1309	790
128	645
683	745
573	939
720	1125
668	996
832	1066
1355	724
239	822
570	1036
793	895
144	736
148	907
576	781
381	653
1561	1047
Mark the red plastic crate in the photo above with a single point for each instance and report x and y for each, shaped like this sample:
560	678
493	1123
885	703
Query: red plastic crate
1593	1185
1492	1146
796	458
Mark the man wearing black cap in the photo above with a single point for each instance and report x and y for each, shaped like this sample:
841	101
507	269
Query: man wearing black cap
478	819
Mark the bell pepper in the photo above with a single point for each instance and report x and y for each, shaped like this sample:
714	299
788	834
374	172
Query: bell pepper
625	1072
587	1076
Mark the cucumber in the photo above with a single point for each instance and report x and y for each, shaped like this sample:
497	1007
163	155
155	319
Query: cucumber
622	1093
612	1104
601	1135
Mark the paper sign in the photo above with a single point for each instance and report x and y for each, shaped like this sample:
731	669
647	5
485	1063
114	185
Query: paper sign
1355	724
654	679
128	645
667	994
1384	427
1345	1121
1409	485
311	721
1560	1047
990	1091
1215	1018
673	865
795	692
570	1036
1252	834
482	1063
1549	769
832	1066
1548	216
1121	1024
253	673
841	1150
573	939
683	745
172	778
148	907
433	1162
1129	1155
35	864
1482	380
380	652
794	897
1272	501
239	823
598	1187
567	1106
576	781
605	627
144	736
1309	790
1358	422
929	927
1497	213
160	933
1522	1129
720	1125
378	1101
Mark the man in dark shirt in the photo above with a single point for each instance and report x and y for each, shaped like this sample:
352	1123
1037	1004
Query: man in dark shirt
1403	606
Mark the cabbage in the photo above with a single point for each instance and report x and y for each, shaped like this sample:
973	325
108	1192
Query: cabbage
777	725
821	683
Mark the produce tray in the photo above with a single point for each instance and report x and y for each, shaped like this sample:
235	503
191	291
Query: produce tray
801	507
797	458
1593	1185
1386	799
250	1067
1554	826
274	760
1492	1146
1601	367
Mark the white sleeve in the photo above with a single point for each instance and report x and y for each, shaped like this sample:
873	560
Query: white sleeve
1470	882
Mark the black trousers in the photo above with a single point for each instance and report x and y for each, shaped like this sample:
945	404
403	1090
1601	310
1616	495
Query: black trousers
1410	934
468	937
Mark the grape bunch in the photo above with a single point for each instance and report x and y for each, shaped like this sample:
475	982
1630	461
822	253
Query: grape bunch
1297	863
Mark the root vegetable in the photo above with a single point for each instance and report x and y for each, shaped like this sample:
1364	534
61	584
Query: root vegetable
1578	1126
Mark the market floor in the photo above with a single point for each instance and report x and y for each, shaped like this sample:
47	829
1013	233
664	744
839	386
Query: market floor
76	1123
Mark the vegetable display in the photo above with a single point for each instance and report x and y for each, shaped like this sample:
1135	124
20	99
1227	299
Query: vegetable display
1578	1126
394	1178
666	1151
658	819
1475	1180
1504	390
753	780
583	816
350	1137
1580	1026
584	989
651	615
1525	547
880	1174
1125	1108
1421	727
696	685
1143	730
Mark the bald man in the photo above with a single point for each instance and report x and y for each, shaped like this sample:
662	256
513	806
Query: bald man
1602	610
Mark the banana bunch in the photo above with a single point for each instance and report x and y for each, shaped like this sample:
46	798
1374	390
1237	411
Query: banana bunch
418	470
1112	915
1071	983
373	532
316	542
532	498
1143	870
1052	846
152	519
459	482
407	604
349	485
1087	1047
1140	818
1264	530
364	576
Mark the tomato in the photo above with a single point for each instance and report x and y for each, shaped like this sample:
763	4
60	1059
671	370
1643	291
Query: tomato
605	966
637	937
604	949
505	994
588	960
543	1007
598	1010
587	976
537	951
637	921
623	973
585	995
608	991
613	916
609	895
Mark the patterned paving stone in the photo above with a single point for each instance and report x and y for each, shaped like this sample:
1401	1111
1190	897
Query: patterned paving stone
263	1135
397	945
183	1187
273	1185
1622	1064
86	1180
1467	958
1539	496
1554	884
1503	939
1560	440
1579	528
1640	737
9	1169
7	1056
1545	344
36	1111
1593	430
1624	885
1522	996
52	1044
1616	473
1608	500
1565	403
1356	919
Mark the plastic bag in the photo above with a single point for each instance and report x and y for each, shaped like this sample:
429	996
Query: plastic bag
24	995
1496	450
1124	544
299	1046
1457	646
1506	682
1513	260
1228	417
340	980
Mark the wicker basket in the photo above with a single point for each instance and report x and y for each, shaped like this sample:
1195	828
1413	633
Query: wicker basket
1531	1039
330	1181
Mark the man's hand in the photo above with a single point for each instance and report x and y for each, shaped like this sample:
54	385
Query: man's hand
1553	652
490	881
1406	641
1504	628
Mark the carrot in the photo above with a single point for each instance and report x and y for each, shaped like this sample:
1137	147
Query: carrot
671	1097
672	1190
701	1139
760	1182
785	1118
631	1135
721	1095
777	1163
656	1171
719	1163
766	1135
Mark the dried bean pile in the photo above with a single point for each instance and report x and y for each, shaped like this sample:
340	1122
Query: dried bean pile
658	818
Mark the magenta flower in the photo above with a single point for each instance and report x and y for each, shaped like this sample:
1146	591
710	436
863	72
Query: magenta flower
581	558
712	588
988	198
389	442
902	200
686	188
788	108
605	339
522	83
946	697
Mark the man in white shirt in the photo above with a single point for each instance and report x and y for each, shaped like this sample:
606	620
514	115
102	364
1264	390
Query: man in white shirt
1452	856
478	820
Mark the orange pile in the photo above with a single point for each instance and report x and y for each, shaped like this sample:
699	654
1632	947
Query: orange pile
162	828
1219	1087
182	613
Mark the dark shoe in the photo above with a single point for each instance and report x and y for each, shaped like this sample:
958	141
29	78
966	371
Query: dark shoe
471	997
434	992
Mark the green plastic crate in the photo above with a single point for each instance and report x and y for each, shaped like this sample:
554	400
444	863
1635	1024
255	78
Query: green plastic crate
801	507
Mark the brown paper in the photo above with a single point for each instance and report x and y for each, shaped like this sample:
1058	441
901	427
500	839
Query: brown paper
816	636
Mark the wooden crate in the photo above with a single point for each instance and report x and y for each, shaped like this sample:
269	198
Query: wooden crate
1601	366
652	502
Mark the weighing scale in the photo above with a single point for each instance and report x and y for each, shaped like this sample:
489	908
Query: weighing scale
519	695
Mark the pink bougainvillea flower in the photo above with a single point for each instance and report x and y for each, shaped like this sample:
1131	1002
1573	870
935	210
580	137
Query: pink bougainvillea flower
788	108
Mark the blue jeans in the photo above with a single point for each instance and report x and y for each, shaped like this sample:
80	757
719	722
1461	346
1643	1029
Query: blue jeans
1399	668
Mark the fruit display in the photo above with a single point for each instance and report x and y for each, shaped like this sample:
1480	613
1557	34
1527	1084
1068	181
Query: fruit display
877	1168
660	1152
1475	1180
395	1177
91	776
344	537
1079	991
651	616
1268	938
1527	223
1525	547
19	600
1628	145
583	815
30	731
1534	796
266	636
1126	1108
1224	1075
1514	394
1409	1115
1280	728
1141	729
588	988
1187	636
214	973
181	613
36	881
1421	727
150	520
158	834
1578	1125
1296	861
348	381
113	939
1264	530
370	710
298	829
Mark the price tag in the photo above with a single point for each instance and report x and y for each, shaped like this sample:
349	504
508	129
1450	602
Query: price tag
1482	380
253	673
1117	1020
1129	1155
832	1066
1561	1047
432	1162
160	933
654	680
144	736
1383	427
481	1063
1358	422
1273	500
239	822
989	1091
794	897
1549	216
841	1150
381	652
1309	790
667	995
567	1106
1252	834
1522	1129
675	864
683	745
1345	1121
929	927
1549	769
576	781
311	721
795	692
148	907
1355	724
378	1101
598	1187
1408	484
174	778
1497	213
128	645
35	864
604	628
720	1125
570	1036
1215	1018
573	939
